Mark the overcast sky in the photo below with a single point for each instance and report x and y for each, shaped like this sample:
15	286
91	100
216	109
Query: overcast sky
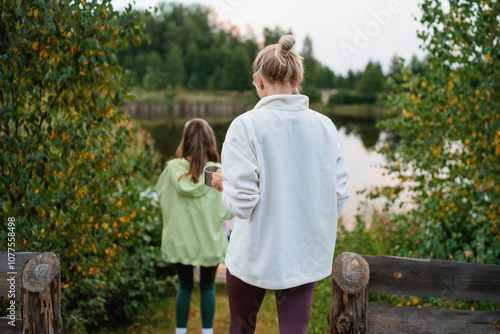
346	34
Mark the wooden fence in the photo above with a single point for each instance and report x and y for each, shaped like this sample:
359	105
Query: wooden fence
35	280
354	276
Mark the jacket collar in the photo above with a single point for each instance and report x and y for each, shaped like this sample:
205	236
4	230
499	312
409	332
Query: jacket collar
284	102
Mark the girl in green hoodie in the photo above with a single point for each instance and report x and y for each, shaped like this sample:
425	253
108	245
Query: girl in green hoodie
193	234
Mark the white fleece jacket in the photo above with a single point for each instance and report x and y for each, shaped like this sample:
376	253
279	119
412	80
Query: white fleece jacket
285	179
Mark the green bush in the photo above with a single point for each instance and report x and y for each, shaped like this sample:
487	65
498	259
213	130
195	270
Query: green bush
447	118
73	169
342	96
346	97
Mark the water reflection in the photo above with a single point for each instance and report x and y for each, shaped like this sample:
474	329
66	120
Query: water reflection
363	128
359	136
167	134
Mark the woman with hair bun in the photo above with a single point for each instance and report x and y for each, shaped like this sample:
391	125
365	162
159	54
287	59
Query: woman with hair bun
284	176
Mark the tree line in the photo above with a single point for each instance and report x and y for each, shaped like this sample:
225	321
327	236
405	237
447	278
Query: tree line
188	48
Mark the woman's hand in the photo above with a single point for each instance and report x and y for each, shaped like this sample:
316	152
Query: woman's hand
217	180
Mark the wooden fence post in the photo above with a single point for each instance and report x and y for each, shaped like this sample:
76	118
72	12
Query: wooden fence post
41	294
351	274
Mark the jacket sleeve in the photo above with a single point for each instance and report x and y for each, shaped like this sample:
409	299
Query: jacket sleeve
225	213
241	173
342	177
161	184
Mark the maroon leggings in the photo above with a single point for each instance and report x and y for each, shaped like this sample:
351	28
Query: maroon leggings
294	306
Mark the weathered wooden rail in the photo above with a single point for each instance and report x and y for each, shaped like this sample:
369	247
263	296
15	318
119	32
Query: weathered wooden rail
35	281
354	276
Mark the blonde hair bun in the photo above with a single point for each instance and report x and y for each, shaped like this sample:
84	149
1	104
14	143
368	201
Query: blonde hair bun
285	45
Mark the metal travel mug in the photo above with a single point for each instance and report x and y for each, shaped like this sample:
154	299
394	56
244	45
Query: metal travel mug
209	171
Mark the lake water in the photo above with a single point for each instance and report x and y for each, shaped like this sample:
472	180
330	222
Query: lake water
359	136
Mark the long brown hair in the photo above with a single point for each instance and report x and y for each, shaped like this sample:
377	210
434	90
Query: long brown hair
198	143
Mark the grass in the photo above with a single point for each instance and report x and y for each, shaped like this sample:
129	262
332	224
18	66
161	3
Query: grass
159	316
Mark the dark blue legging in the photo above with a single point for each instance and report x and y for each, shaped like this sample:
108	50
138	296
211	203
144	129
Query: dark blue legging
294	306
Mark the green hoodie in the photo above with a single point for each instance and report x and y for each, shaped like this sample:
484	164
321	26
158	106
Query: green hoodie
192	212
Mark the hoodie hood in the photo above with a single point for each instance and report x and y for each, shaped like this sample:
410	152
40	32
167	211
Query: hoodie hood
184	186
